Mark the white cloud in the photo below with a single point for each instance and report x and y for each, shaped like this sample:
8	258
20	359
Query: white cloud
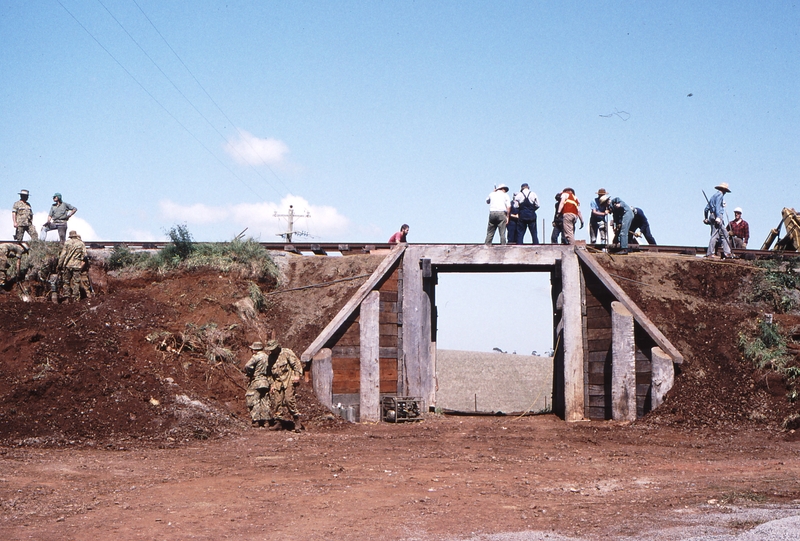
195	214
252	150
260	218
142	235
84	228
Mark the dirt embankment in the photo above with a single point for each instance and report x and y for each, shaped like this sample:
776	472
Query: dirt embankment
86	372
702	307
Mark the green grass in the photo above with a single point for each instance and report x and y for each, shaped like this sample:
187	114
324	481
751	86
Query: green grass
246	258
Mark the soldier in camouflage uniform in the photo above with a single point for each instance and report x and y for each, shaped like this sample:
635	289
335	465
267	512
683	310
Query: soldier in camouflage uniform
70	262
85	283
22	215
13	250
257	395
286	373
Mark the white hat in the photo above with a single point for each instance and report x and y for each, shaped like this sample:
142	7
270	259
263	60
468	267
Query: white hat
738	209
501	187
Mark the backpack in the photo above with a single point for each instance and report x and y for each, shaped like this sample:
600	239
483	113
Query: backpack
527	209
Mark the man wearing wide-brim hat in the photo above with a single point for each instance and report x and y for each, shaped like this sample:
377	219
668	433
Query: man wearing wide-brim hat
499	213
598	218
286	371
714	215
22	215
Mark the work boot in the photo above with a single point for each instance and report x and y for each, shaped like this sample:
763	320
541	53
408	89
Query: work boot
298	426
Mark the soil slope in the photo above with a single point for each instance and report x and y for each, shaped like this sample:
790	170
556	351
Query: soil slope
87	373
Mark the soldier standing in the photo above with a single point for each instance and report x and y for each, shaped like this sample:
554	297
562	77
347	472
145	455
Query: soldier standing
258	390
286	373
70	262
7	250
22	215
60	212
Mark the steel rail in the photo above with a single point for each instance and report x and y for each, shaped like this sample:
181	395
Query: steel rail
339	248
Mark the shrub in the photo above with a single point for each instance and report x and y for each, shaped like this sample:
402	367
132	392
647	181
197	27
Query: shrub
123	257
777	285
768	351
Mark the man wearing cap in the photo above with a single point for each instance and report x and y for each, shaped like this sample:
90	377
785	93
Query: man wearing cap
70	263
499	212
23	218
623	217
257	395
60	212
597	218
286	372
7	250
713	214
528	204
569	208
739	230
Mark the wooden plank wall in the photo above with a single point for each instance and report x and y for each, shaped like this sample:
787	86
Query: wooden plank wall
345	348
598	354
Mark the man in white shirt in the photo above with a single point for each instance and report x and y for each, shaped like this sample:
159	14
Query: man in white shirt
499	209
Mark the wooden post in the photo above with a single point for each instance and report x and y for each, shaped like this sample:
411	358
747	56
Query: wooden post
623	364
663	376
322	371
418	367
370	363
573	337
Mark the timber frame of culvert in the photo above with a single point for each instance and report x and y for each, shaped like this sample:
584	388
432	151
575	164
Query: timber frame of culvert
610	361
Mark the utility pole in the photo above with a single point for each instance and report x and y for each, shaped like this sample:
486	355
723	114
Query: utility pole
290	230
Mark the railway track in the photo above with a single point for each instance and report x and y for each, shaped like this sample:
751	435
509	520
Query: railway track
339	248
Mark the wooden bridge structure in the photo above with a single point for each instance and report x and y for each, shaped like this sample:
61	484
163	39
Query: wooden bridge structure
610	360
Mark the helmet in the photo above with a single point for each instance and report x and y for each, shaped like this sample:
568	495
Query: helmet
58	195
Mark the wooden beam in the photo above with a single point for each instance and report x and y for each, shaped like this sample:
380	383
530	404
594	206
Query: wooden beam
657	336
352	305
369	390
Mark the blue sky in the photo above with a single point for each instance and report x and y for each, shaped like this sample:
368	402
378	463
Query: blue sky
372	114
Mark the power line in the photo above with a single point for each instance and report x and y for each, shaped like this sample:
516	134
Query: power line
156	100
181	93
231	122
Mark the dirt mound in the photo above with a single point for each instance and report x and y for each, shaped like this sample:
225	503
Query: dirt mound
86	372
702	306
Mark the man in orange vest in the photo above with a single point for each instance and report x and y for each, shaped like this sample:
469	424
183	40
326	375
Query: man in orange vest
569	209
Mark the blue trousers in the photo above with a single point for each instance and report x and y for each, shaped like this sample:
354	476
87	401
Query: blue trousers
525	225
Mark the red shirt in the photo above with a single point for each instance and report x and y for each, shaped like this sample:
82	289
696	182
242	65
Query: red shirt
739	228
397	237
